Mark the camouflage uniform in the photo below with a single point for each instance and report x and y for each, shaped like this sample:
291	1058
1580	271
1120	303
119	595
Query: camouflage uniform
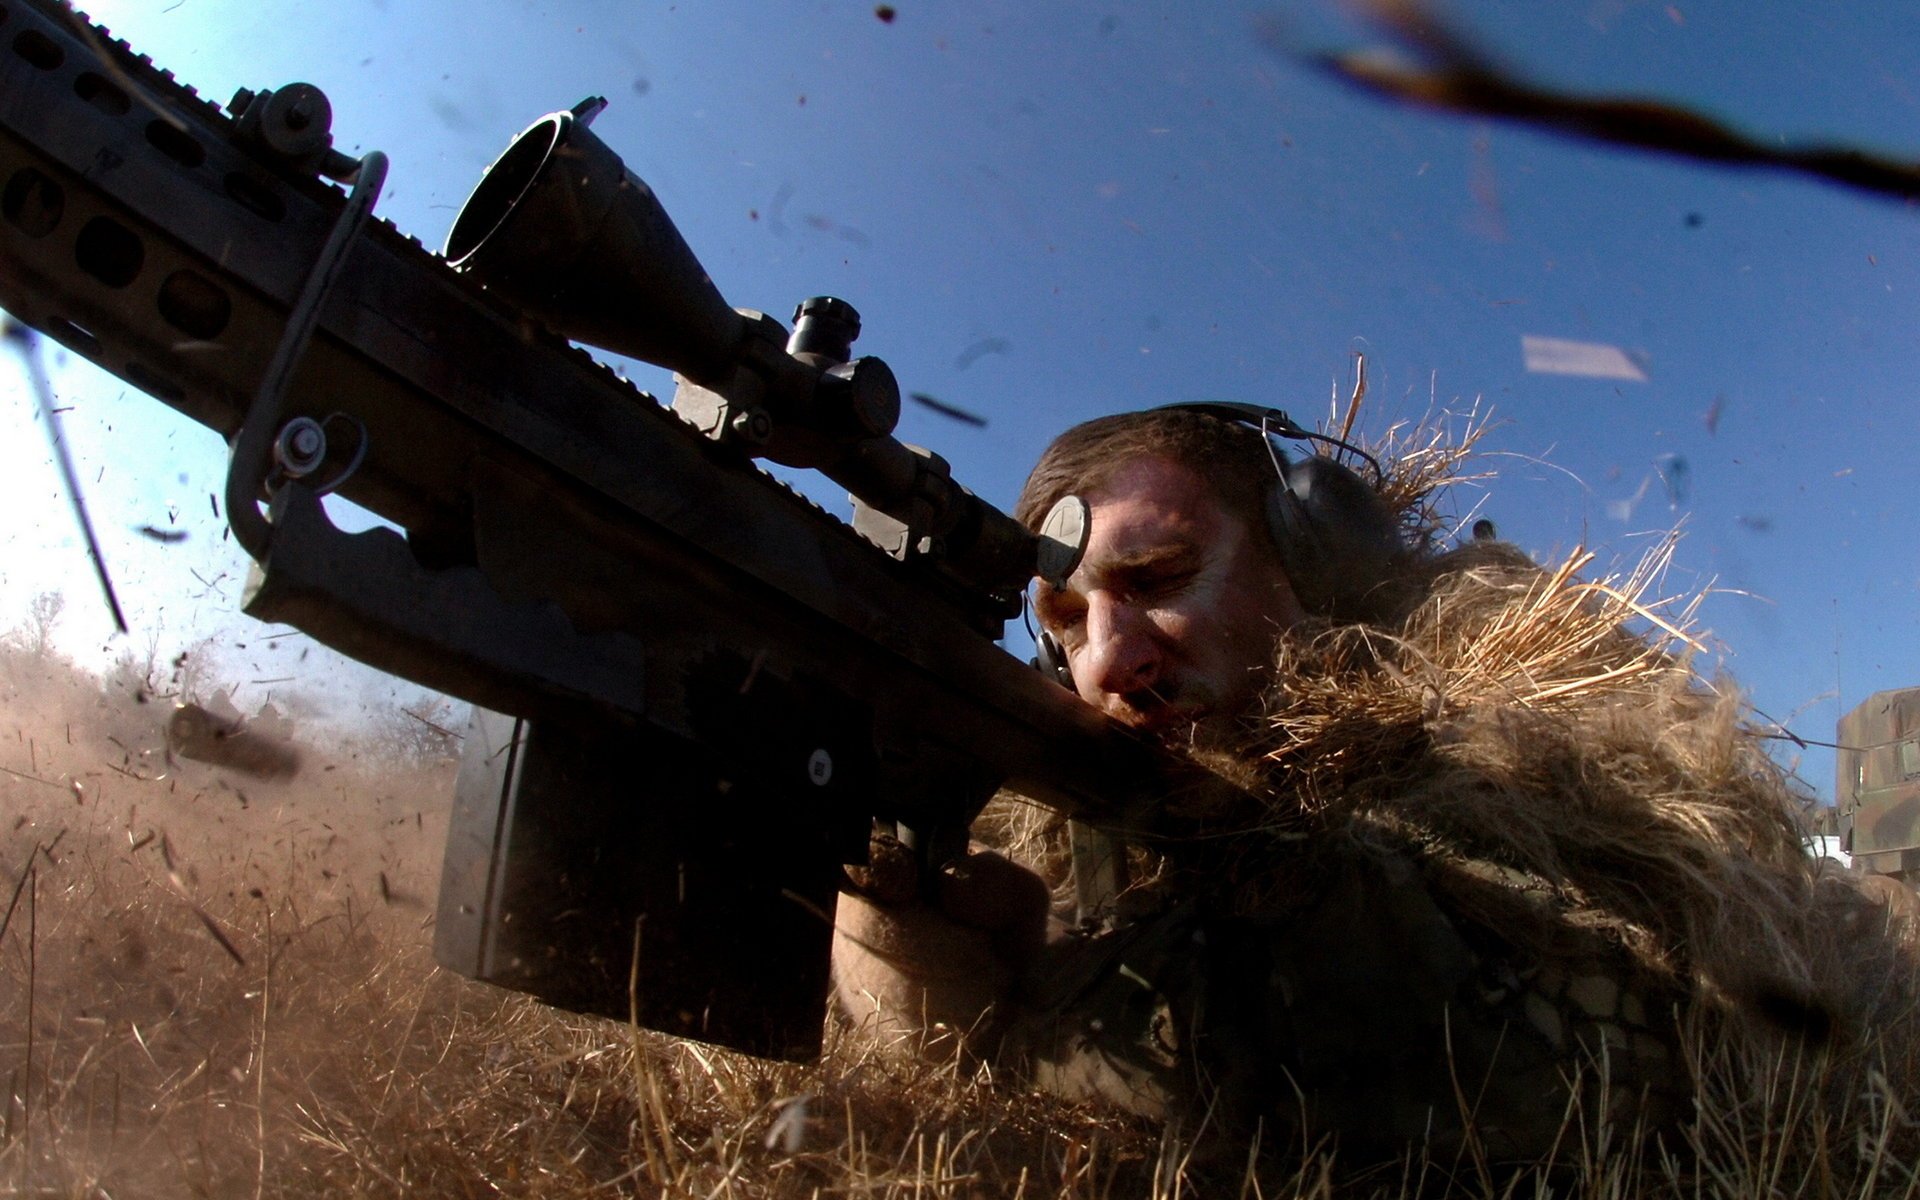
1373	1012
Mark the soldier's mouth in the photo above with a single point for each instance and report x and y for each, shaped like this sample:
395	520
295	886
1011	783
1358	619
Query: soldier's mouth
1161	719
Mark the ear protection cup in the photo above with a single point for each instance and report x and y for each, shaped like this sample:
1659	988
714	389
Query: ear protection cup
1336	537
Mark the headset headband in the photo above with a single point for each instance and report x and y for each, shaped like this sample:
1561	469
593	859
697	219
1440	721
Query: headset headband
1271	422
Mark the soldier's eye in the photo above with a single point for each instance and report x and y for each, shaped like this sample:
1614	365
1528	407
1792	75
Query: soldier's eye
1162	584
1060	616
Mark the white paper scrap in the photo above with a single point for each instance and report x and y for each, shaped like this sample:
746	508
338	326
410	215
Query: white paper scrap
1595	360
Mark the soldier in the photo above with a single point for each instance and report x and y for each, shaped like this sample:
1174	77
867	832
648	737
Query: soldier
1492	859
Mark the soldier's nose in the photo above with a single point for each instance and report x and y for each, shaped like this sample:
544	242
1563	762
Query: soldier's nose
1122	657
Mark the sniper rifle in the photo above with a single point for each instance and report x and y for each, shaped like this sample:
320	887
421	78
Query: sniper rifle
695	691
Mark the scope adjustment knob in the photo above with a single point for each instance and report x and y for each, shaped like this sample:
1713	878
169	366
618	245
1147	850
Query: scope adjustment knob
862	397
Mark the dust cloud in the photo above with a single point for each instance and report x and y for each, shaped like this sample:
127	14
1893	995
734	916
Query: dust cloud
201	958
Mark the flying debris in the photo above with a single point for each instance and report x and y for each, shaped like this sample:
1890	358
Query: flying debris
1675	473
777	209
218	733
1593	360
846	233
1622	510
1435	65
168	537
980	349
947	410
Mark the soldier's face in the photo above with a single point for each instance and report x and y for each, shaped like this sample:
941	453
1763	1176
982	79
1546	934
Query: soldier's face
1169	623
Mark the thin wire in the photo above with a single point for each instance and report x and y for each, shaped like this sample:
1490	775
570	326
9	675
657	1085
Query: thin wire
1379	474
28	344
1788	735
1273	455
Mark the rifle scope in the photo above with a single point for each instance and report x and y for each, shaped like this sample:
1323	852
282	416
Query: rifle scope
562	230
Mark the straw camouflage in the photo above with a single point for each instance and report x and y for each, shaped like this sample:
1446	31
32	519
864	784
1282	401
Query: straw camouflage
1512	866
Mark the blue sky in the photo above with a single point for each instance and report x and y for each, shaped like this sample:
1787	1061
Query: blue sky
1048	212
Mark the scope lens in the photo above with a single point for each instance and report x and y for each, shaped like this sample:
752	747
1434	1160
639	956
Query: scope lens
501	189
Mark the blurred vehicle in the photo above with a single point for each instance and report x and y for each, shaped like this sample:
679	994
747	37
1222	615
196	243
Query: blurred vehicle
1877	784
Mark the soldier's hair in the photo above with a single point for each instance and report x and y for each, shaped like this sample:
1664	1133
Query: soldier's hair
1233	459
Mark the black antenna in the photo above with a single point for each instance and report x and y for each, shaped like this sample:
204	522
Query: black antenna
28	344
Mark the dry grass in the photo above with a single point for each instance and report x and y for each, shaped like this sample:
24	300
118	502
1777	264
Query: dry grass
1543	742
211	987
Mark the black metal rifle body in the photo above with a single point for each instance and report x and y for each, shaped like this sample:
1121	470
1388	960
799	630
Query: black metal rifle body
709	685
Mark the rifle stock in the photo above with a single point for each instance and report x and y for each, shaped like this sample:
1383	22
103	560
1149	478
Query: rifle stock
695	689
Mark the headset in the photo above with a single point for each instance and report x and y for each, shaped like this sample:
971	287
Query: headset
1336	536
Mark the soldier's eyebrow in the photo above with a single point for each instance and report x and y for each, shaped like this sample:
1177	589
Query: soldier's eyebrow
1149	559
1049	602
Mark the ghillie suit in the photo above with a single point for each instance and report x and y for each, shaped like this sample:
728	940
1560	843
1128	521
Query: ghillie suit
1512	875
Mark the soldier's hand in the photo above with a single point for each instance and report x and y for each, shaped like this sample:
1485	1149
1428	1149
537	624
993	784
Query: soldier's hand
891	874
922	971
